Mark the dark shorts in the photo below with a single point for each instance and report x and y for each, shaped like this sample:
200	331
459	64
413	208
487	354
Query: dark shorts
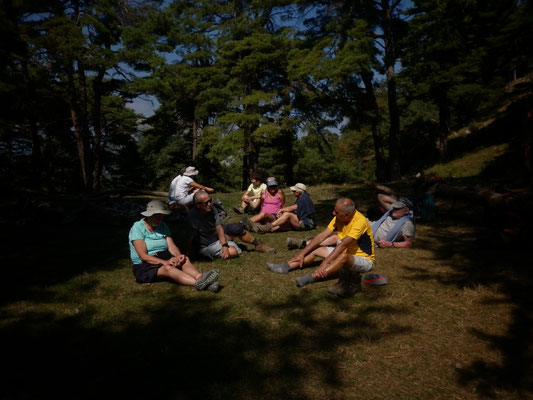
307	224
147	273
236	229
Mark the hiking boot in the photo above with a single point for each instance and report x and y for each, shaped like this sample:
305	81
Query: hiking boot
214	287
264	228
293	243
263	248
238	210
348	284
249	225
206	279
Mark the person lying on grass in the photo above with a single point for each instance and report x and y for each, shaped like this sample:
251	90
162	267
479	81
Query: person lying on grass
213	240
352	255
155	256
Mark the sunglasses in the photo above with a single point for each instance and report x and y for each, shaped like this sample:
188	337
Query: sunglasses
204	203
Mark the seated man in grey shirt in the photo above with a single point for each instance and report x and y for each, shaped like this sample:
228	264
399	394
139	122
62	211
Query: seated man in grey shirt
396	227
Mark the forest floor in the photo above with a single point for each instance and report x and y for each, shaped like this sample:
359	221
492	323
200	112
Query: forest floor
453	322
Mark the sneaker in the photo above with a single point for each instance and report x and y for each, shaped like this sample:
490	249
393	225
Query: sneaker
214	287
238	210
264	228
249	225
338	286
293	243
206	279
263	248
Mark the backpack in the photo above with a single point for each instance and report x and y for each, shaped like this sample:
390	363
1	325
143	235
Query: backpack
218	207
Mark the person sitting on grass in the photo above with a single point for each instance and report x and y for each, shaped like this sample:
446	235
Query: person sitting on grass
251	198
352	255
272	200
299	217
395	228
155	256
183	187
210	237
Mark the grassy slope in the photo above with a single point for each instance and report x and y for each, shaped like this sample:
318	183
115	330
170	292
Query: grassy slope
454	322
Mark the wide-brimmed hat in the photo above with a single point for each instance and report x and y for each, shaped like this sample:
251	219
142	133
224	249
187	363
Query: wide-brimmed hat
299	187
190	171
271	181
155	207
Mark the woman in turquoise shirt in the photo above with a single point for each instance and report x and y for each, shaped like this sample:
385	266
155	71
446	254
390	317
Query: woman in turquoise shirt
155	256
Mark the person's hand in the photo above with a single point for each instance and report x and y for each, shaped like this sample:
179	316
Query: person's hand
209	190
384	244
180	260
321	271
299	258
224	253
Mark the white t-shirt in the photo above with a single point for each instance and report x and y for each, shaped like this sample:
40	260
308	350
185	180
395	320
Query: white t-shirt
179	188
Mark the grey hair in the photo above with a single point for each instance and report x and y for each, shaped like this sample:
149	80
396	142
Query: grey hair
198	194
347	205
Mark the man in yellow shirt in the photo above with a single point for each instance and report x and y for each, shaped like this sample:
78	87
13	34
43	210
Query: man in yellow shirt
353	254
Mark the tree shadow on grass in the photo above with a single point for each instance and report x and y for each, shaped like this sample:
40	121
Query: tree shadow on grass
42	255
509	270
186	350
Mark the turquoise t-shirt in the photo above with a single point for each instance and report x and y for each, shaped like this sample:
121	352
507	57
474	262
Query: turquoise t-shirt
155	241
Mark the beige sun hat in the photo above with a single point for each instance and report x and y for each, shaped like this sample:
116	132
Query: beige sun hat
190	171
299	187
155	207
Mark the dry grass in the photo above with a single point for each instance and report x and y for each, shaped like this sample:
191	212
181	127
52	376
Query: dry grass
453	322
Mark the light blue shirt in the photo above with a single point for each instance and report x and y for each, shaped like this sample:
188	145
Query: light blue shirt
155	241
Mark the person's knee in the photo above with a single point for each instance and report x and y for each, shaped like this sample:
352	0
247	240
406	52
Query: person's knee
345	260
165	270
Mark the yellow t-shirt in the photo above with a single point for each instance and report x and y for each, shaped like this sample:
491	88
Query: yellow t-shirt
358	229
255	190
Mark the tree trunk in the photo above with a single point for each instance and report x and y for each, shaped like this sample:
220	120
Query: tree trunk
97	142
444	126
381	162
194	140
394	115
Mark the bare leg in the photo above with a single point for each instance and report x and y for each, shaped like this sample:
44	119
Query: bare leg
190	269
330	241
262	217
344	260
176	275
286	222
319	252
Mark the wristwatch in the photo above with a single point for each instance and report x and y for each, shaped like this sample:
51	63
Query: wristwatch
225	245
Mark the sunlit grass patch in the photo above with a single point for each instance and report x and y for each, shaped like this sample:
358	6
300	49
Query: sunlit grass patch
469	165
